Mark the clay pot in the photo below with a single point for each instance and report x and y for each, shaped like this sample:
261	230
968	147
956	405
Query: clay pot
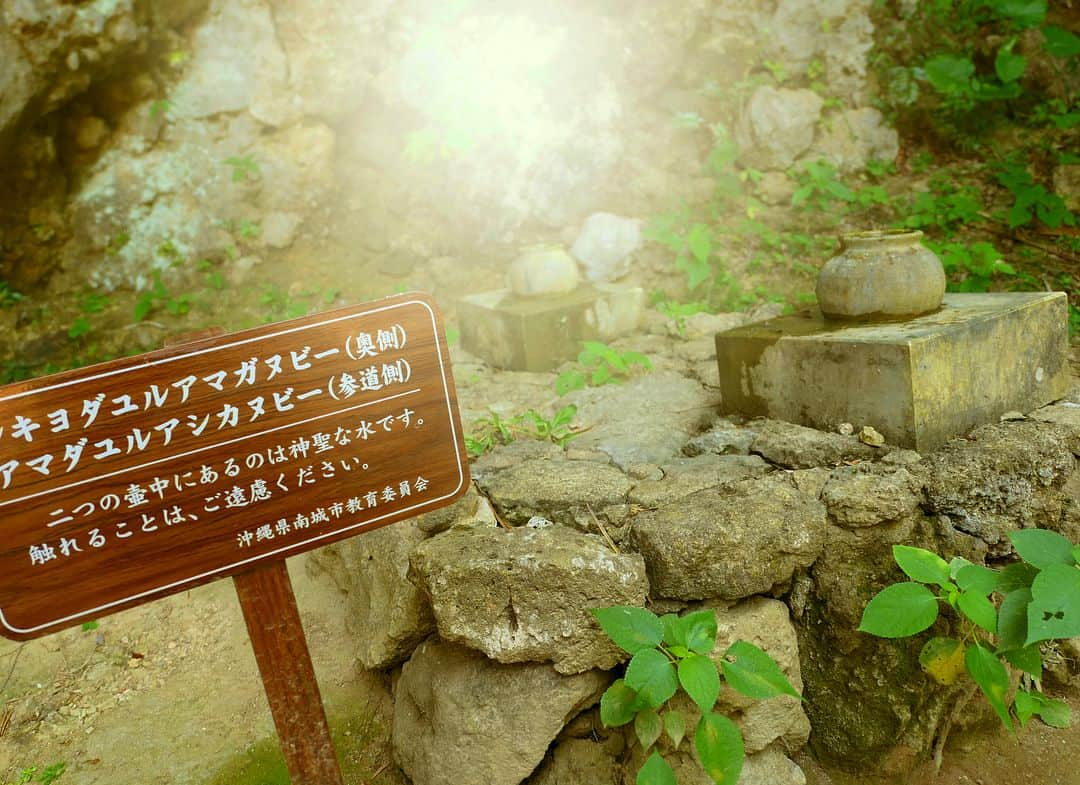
881	274
543	269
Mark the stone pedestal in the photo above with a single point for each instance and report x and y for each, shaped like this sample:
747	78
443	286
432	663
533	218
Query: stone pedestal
538	333
919	382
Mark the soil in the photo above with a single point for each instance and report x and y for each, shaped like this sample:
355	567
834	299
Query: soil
169	694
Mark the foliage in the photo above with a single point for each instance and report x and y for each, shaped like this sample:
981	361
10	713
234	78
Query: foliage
600	364
8	296
158	296
669	653
1030	199
244	167
971	268
45	776
969	74
818	186
1004	615
494	430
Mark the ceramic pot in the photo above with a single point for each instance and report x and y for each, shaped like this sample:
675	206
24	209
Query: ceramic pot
881	274
543	269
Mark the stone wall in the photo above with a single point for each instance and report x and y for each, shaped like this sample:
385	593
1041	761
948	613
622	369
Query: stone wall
480	611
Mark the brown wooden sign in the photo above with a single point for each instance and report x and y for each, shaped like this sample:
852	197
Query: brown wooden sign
142	477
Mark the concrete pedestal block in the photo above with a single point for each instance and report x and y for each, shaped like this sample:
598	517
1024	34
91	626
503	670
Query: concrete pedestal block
919	382
538	333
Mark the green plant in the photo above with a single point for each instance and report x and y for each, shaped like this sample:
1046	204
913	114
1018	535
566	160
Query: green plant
676	311
971	268
280	304
45	776
999	618
158	295
8	296
161	108
494	430
600	364
80	327
1030	199
819	186
244	167
671	652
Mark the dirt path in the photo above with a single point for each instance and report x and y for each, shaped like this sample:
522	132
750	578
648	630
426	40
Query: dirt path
163	694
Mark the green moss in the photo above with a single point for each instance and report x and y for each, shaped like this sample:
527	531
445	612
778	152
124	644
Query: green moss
362	745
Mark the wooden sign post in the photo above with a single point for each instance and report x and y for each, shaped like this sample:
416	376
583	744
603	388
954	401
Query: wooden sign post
142	477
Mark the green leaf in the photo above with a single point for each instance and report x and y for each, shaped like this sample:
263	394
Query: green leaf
1054	611
1016	576
720	748
979	609
1023	13
988	672
949	73
943	659
601	376
977	579
673	633
1055	713
1012	620
648	726
697	631
922	565
569	381
700	679
631	628
675	727
1061	42
652	676
957	563
754	673
699	242
1009	67
899	610
619	704
1041	548
637	358
656	771
1028	659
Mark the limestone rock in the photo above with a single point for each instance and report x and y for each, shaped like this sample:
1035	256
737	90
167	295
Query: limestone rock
524	595
279	228
386	614
1001	478
777	126
724	438
646	420
560	490
771	767
605	246
235	60
684	476
1067	184
581	762
730	542
797	447
854	138
459	717
776	188
868	495
766	624
706	325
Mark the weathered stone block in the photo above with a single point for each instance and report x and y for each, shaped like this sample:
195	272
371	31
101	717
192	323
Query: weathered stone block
461	718
539	333
525	595
919	382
